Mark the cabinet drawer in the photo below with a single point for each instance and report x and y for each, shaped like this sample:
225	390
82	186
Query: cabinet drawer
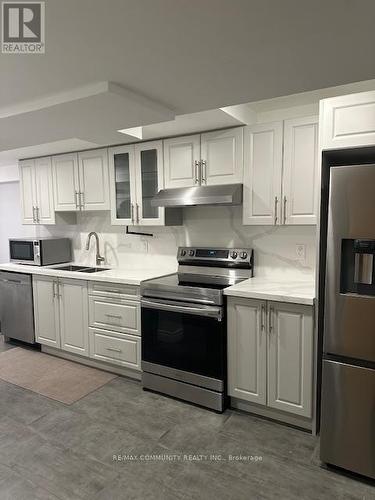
113	290
124	351
118	315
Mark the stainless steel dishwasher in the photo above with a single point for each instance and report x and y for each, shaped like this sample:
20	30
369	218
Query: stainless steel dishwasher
16	306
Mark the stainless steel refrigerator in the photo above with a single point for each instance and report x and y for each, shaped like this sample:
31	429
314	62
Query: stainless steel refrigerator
348	378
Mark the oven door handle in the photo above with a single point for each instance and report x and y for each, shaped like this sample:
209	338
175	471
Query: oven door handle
198	310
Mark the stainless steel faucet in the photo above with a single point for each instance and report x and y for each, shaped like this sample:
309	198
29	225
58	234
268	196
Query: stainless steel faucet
99	258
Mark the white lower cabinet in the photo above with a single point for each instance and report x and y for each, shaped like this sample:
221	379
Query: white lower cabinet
270	354
73	316
61	317
46	311
118	349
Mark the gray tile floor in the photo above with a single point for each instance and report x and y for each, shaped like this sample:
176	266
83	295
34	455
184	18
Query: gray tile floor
52	451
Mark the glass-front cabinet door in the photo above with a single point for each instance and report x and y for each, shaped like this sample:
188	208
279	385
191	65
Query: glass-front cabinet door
122	182
149	180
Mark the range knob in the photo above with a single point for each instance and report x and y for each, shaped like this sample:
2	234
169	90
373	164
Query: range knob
234	255
191	253
243	255
183	252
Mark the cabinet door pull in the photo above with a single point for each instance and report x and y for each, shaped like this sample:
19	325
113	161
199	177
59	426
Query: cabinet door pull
137	212
132	212
113	349
76	194
204	171
196	171
37	215
270	319
276	202
262	317
285	201
81	200
34	218
55	294
117	316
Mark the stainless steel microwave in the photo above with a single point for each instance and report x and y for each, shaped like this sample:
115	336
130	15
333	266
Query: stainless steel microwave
41	251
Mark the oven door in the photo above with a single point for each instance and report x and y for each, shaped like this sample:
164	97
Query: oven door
184	336
25	251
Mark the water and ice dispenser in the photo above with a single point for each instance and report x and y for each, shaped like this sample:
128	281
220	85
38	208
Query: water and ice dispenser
357	266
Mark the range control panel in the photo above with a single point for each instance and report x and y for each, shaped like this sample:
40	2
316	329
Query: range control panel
221	257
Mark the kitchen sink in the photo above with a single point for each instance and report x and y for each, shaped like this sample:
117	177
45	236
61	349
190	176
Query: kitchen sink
82	269
94	269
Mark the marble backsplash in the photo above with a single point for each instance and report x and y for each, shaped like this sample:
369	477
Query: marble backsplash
274	246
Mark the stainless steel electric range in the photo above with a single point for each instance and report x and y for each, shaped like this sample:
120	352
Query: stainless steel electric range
184	332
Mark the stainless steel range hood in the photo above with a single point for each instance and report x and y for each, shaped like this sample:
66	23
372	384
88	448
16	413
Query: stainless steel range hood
227	194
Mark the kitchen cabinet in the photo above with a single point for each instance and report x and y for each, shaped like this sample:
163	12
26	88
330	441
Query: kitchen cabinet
61	313
124	351
36	191
300	184
281	173
73	301
348	121
247	350
46	311
290	358
81	181
181	161
211	158
270	354
136	175
262	174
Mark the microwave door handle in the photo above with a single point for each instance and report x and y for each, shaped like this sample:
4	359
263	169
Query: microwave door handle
206	311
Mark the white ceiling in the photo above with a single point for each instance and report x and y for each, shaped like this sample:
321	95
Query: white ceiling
185	55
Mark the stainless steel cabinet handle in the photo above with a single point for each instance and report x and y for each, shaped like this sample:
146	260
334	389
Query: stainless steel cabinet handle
81	200
137	212
37	215
196	171
276	202
117	316
34	217
270	319
54	284
132	212
204	171
285	200
76	194
113	349
262	317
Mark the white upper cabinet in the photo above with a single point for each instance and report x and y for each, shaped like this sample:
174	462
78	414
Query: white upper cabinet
122	184
181	161
301	171
136	175
222	157
290	358
93	180
149	180
81	181
66	182
204	159
262	174
28	191
281	172
247	350
348	121
37	191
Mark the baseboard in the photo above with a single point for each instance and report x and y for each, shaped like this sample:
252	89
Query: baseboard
125	372
272	414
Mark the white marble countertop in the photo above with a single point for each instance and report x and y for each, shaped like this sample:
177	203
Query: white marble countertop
293	291
127	276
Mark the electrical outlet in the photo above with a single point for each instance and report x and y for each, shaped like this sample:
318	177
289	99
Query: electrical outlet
301	251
